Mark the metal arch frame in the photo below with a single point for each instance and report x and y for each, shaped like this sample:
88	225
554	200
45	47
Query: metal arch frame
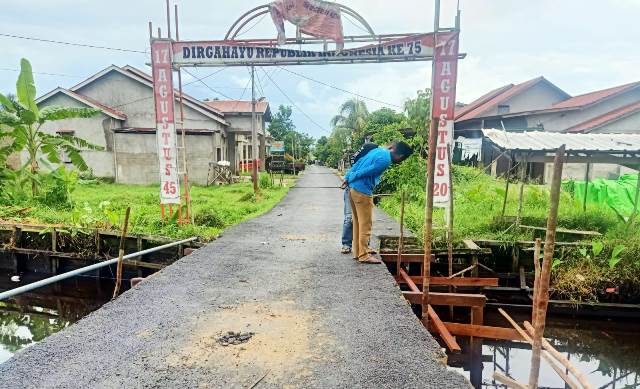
256	12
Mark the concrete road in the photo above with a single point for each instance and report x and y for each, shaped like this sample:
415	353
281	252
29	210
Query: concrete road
320	320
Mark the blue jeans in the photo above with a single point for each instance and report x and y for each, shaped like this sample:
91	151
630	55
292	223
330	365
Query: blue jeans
347	224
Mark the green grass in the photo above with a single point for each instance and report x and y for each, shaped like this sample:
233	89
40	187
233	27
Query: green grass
102	205
478	201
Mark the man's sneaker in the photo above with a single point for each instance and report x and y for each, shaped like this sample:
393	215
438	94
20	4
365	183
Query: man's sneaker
345	250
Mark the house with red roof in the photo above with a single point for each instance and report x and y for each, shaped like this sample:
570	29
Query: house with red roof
125	127
539	105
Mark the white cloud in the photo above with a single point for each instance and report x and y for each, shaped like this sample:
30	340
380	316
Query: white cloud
304	89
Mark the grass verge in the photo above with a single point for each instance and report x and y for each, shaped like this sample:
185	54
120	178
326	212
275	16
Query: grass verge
102	205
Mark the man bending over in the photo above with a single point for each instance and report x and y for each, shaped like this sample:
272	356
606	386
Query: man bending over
361	181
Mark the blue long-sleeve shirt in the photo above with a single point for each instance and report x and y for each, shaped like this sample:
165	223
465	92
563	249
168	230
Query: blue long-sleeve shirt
365	174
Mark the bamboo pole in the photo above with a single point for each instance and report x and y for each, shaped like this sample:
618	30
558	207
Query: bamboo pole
580	376
536	281
506	190
123	238
586	187
450	224
509	382
523	174
401	237
547	355
431	161
545	274
634	214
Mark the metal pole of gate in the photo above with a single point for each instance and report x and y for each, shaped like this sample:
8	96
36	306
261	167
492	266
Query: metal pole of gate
254	132
69	274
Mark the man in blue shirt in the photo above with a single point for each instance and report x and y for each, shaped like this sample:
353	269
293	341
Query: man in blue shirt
362	180
347	224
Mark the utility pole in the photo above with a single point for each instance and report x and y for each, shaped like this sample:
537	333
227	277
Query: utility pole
293	152
254	132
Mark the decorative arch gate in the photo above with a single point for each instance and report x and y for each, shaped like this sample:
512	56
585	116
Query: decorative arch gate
441	47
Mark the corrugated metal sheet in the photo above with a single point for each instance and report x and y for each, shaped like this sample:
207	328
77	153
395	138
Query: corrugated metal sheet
550	141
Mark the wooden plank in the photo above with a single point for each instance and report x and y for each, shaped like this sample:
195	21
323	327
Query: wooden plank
442	330
455	299
467	281
407	280
482	331
406	258
564	231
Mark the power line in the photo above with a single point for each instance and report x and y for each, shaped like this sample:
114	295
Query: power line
340	89
72	43
295	105
356	25
205	77
208	87
42	73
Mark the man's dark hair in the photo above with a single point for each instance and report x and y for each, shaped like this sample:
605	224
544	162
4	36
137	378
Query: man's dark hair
402	150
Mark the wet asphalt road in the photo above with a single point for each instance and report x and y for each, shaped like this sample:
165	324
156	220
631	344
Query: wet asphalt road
320	319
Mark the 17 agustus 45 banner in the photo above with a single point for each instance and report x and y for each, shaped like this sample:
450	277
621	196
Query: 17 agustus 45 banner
443	102
161	59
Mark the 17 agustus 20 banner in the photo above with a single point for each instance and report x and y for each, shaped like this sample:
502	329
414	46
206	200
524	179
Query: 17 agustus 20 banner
443	102
161	58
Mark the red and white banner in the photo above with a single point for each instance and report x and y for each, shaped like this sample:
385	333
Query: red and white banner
443	103
317	18
161	63
418	47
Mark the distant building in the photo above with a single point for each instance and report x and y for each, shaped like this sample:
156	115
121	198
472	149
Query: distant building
126	127
540	105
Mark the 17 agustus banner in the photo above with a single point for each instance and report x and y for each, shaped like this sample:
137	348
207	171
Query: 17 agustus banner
443	105
165	121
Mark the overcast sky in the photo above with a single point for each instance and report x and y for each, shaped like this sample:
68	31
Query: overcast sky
580	45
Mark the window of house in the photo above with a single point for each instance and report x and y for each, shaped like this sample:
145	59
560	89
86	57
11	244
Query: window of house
503	108
218	154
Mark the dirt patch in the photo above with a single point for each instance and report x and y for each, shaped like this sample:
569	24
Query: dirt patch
284	340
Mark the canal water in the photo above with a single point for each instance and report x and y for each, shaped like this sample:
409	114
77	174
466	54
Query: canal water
608	351
31	317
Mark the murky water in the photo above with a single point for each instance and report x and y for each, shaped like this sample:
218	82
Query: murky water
607	351
31	317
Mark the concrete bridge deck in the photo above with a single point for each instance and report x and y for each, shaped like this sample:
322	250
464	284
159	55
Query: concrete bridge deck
320	319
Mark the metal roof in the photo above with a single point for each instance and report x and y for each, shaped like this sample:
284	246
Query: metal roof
539	141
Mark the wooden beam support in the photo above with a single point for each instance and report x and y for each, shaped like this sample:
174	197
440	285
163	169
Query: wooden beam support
442	330
455	299
406	258
482	331
467	281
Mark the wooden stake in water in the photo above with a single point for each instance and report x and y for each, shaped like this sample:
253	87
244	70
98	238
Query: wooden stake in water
545	274
401	237
536	280
123	238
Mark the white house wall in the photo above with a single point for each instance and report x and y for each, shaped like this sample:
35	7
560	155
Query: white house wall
137	158
539	96
560	121
95	130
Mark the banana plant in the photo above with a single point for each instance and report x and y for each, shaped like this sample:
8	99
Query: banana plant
22	122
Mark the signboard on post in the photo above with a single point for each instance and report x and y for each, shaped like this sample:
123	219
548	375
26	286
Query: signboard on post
418	47
443	103
161	60
277	147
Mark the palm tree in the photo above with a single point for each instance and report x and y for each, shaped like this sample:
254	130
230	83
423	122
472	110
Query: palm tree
353	115
21	121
